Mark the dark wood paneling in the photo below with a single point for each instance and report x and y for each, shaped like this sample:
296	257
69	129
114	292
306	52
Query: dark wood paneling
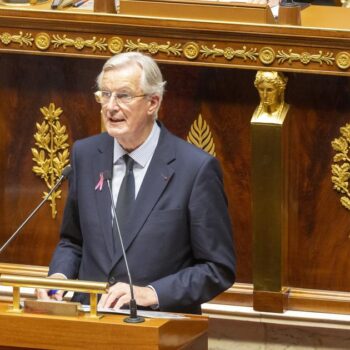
319	246
224	98
28	83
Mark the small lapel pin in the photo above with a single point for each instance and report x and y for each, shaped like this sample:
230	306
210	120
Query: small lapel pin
99	184
165	178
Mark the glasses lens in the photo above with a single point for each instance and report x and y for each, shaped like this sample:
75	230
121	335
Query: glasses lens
102	97
123	98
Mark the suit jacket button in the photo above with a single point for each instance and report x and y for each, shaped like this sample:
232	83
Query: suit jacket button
112	280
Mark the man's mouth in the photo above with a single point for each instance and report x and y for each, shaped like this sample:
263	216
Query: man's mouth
116	120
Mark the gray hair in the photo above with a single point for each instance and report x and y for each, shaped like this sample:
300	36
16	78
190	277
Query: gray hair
151	78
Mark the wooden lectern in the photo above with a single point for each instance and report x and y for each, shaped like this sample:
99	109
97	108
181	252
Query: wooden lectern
43	331
110	332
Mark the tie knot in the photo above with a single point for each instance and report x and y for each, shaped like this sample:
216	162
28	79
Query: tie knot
129	162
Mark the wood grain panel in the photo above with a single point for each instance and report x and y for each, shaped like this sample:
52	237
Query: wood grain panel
225	99
28	83
319	246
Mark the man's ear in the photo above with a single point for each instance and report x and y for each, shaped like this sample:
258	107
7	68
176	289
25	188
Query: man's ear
154	102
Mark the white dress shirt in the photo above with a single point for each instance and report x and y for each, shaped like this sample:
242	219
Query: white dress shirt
142	157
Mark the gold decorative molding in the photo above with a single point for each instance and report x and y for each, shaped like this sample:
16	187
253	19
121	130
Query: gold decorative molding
340	171
21	39
200	136
267	55
115	44
79	43
342	60
229	53
191	50
153	47
305	57
42	41
52	154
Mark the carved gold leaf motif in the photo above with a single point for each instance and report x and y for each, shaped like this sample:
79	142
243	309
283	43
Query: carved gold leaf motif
340	170
79	43
153	47
21	39
200	136
51	154
305	57
229	53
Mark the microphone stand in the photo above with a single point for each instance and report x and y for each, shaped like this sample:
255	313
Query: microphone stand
65	173
133	318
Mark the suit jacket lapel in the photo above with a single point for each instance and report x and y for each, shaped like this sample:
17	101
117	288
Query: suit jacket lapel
158	176
104	162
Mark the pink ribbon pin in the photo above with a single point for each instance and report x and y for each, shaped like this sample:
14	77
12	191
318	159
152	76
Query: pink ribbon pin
99	184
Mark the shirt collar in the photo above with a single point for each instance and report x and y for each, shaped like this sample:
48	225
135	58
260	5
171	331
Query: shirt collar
142	154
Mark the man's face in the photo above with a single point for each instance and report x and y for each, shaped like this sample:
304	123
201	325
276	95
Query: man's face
269	94
130	123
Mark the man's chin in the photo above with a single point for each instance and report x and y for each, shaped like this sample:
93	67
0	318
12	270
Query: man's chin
116	130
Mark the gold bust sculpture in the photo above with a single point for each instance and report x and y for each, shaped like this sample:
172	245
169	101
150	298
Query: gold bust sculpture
272	108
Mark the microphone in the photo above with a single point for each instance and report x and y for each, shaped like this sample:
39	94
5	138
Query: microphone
133	318
65	173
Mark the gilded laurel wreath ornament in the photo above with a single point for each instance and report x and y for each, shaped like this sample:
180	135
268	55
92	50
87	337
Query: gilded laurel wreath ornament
200	136
341	168
229	53
21	39
51	154
305	57
153	47
79	43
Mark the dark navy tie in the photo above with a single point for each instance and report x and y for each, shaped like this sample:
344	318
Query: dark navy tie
126	196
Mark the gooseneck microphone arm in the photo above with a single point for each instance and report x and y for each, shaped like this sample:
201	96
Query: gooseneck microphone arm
65	173
133	318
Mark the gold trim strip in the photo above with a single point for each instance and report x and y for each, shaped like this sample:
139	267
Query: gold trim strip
190	50
53	283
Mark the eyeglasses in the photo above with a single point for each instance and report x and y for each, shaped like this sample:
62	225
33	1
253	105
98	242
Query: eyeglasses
104	96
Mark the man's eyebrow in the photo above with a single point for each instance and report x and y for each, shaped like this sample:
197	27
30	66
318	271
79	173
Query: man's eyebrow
121	90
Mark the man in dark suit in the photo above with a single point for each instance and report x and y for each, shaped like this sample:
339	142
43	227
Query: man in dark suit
176	228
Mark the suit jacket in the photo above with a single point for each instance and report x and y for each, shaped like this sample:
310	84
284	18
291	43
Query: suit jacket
179	239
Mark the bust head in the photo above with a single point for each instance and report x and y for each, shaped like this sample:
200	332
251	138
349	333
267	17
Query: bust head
271	86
